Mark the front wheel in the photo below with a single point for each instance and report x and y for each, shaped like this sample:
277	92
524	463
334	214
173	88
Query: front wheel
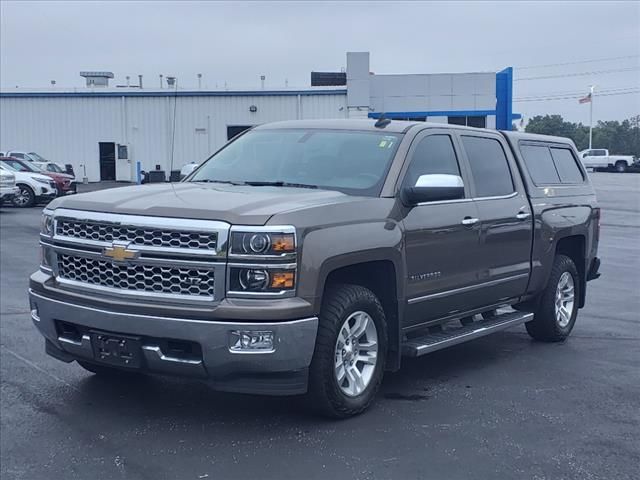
350	353
621	167
556	313
25	198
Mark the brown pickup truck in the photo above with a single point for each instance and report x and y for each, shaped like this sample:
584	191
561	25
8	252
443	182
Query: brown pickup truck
308	257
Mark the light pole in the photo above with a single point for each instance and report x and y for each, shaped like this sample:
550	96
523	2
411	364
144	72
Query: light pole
591	88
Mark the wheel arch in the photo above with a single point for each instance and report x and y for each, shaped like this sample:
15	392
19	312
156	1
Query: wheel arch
381	275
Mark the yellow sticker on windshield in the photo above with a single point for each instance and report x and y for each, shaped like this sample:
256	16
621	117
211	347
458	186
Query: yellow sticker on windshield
382	144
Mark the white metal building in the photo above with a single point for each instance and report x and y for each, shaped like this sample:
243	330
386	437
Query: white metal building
104	132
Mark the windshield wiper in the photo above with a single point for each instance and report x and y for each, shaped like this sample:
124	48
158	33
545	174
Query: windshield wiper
208	180
280	184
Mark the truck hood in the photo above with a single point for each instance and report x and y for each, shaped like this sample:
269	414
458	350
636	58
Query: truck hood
244	205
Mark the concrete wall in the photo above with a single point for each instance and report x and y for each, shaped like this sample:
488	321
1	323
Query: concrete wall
433	93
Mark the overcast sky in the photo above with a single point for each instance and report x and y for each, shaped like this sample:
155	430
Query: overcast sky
237	42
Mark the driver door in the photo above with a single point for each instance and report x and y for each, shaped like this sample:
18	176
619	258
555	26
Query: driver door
442	238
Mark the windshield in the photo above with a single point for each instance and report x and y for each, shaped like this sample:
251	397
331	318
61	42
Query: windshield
21	166
52	167
352	162
36	157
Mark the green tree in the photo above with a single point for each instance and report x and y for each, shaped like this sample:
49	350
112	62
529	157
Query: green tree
619	137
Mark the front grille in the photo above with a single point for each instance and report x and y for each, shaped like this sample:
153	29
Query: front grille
137	277
137	235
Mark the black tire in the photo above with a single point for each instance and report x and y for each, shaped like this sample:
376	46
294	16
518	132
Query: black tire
26	198
105	370
544	326
621	166
325	395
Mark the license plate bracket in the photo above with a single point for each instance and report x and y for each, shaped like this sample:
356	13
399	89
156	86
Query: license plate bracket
119	350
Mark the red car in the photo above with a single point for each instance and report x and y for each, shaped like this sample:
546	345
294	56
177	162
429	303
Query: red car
65	184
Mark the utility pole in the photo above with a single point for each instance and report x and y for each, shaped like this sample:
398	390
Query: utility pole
591	116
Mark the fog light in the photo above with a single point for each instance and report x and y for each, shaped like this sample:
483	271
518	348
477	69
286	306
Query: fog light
251	341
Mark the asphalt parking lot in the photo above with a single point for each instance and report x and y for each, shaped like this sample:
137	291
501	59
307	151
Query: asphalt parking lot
499	407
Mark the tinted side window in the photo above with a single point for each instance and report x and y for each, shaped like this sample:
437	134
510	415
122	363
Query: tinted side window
566	165
489	166
538	160
17	155
434	154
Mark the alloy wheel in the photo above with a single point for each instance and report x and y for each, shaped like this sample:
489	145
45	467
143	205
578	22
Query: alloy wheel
356	353
565	299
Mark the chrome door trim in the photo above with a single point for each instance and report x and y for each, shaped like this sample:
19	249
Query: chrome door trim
498	197
468	288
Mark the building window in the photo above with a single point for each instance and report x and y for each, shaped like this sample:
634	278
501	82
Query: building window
471	121
235	130
457	120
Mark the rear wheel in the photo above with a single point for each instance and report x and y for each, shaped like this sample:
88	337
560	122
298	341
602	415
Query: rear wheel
621	166
350	353
556	313
25	197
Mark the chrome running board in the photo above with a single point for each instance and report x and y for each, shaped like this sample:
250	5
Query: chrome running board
447	338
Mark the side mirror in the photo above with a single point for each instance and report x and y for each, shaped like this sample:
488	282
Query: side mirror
432	188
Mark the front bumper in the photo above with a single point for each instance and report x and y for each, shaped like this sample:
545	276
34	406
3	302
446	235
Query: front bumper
64	190
46	191
282	371
8	192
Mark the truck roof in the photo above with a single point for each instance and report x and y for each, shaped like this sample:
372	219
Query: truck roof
396	126
400	126
515	136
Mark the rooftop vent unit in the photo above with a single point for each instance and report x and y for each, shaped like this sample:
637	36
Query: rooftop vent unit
97	79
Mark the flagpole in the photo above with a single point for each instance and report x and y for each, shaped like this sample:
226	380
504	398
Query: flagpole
591	117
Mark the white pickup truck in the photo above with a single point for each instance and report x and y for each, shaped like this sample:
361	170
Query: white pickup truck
600	158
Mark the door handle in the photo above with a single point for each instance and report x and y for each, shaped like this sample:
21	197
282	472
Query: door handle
523	215
468	221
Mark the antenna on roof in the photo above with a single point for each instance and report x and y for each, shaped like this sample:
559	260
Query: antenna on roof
382	121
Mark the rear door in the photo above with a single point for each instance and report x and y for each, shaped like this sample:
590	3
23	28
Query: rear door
596	158
506	225
441	251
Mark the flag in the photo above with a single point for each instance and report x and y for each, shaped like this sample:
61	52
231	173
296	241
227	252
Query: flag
586	99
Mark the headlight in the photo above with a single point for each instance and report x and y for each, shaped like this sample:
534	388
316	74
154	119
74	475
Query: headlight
262	279
42	180
46	224
276	242
266	262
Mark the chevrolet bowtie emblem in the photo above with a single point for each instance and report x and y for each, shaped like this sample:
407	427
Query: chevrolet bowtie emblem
119	252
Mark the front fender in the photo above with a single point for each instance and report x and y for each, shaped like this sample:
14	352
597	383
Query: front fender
329	248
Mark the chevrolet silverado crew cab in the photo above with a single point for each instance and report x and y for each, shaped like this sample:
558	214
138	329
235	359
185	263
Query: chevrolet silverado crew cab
309	257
